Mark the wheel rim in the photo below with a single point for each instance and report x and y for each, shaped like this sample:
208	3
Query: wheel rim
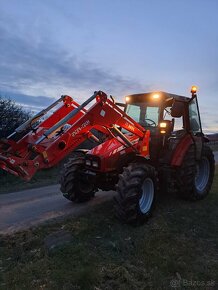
147	197
202	174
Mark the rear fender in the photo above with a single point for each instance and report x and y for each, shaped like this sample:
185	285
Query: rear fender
181	150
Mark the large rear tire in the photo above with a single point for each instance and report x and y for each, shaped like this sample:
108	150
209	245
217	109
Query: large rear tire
136	192
73	185
195	178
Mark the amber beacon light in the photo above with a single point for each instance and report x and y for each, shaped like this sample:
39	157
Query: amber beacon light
194	89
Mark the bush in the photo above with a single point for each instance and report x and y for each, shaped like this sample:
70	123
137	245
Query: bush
11	116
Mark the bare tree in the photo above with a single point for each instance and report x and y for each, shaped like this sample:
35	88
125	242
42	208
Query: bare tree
11	116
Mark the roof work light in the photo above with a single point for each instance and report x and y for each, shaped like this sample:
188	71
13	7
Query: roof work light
155	96
128	99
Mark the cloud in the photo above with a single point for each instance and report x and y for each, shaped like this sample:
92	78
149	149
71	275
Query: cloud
32	103
42	68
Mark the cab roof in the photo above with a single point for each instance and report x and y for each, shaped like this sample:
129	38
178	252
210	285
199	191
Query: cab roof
161	96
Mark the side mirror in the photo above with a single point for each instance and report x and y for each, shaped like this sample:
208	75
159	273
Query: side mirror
177	109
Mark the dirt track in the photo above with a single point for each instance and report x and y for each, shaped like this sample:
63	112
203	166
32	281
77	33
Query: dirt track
21	210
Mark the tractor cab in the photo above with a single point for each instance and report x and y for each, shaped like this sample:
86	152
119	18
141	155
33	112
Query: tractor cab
167	116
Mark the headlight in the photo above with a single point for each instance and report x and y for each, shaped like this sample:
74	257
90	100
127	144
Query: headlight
88	162
95	164
92	163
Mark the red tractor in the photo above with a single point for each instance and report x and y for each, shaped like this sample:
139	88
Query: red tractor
153	141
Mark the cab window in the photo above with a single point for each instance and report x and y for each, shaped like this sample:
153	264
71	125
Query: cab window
147	116
194	118
134	112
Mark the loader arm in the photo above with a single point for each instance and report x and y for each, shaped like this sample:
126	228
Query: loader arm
31	148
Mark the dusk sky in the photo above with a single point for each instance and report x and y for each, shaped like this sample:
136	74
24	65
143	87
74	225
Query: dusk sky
50	47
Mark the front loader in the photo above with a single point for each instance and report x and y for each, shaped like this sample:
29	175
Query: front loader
152	142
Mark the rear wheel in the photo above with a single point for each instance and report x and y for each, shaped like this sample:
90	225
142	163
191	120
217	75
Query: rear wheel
136	191
196	177
73	185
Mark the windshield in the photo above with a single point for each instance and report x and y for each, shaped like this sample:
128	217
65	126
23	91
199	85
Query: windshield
144	114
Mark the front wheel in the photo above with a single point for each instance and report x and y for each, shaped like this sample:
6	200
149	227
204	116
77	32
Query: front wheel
73	185
136	192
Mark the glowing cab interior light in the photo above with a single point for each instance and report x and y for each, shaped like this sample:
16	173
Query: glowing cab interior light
194	89
163	125
127	99
155	96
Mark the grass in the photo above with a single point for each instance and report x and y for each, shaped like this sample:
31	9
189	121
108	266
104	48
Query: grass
178	246
11	183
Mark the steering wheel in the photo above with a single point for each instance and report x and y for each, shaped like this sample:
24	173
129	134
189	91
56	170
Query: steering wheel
152	123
